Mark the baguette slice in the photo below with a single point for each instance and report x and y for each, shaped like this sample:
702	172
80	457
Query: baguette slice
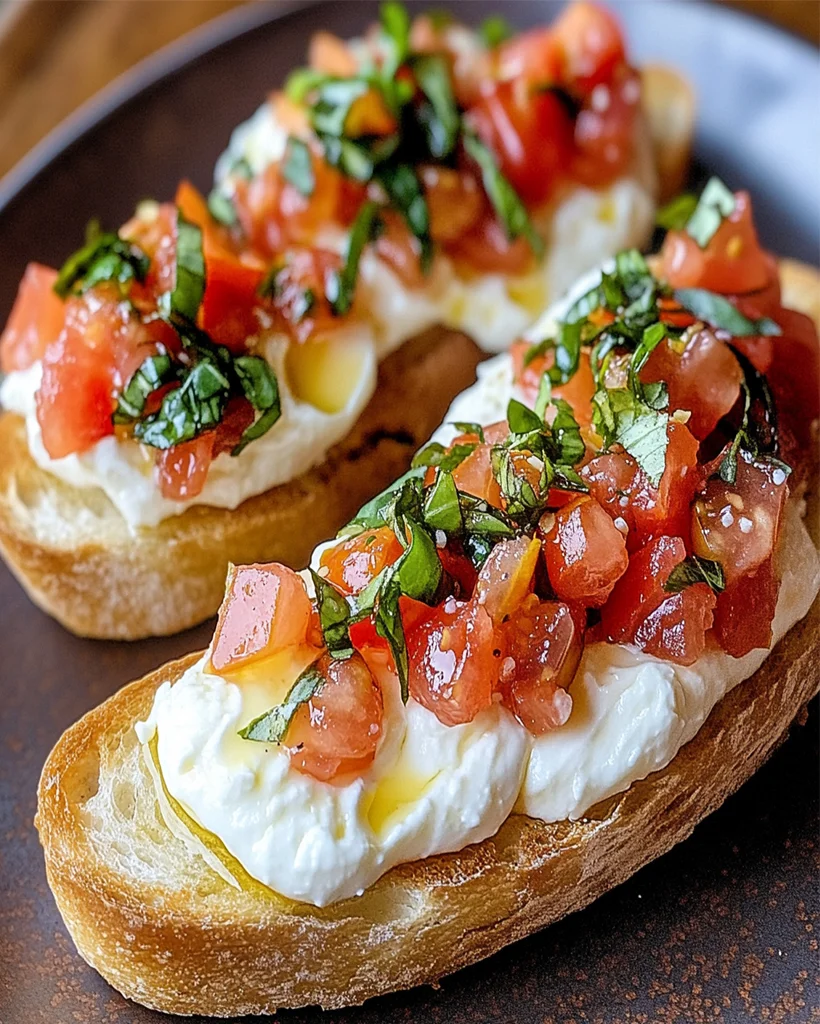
77	559
167	930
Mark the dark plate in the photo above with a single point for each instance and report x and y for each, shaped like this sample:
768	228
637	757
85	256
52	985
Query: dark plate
722	927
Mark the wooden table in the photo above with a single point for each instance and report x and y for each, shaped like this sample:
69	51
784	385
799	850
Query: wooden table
55	54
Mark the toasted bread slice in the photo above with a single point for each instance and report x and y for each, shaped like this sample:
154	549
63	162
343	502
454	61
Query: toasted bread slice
162	926
78	560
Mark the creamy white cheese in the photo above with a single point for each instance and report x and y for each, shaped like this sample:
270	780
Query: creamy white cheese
432	789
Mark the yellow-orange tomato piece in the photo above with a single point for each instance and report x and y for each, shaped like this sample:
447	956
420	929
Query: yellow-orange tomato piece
475	476
506	577
266	609
330	54
454	200
585	553
352	564
337	731
368	115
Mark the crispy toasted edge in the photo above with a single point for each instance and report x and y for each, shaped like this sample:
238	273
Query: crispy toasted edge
104	581
669	106
252	953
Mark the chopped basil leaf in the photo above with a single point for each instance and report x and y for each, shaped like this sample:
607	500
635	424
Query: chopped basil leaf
442	509
328	115
511	211
419	569
715	204
189	282
104	257
189	410
371	515
619	416
395	22
520	497
567	349
675	214
696	570
484	520
153	373
435	454
405	192
303	81
261	388
757	433
222	209
341	286
495	30
522	420
358	159
389	626
567	435
719	312
653	394
272	726
438	114
297	167
470	428
544	396
334	616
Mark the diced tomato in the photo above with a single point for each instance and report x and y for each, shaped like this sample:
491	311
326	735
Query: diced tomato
745	611
676	629
704	379
367	641
156	237
100	342
794	376
617	482
486	249
353	563
542	646
236	419
181	471
300	299
605	131
732	263
585	552
534	56
36	319
331	55
507	576
459	567
452	661
475	476
591	45
400	250
737	524
266	609
454	200
338	729
369	115
640	590
530	132
273	213
578	390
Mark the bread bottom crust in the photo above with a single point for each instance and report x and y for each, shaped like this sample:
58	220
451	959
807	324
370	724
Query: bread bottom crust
178	938
76	558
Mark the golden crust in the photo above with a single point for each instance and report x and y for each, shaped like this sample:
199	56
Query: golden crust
100	580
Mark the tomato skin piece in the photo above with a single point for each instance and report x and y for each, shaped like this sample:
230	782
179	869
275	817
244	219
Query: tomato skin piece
353	563
400	250
454	200
485	249
676	629
307	270
337	731
578	390
732	263
36	319
585	553
530	132
738	524
453	667
181	471
704	379
475	476
459	567
591	44
506	578
266	609
745	611
640	590
605	131
542	646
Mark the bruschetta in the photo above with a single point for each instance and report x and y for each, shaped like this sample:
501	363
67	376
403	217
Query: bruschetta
203	386
579	622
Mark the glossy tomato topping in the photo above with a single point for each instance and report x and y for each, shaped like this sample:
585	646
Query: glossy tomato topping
454	662
585	552
475	476
732	262
36	319
737	524
507	576
337	730
353	563
578	390
454	199
266	609
487	249
702	376
676	629
745	611
542	647
640	590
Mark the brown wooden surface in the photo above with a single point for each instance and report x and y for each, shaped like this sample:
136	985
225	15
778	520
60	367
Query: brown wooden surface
54	54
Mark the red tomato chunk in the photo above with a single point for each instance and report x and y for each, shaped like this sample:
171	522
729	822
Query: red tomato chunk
36	319
585	552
